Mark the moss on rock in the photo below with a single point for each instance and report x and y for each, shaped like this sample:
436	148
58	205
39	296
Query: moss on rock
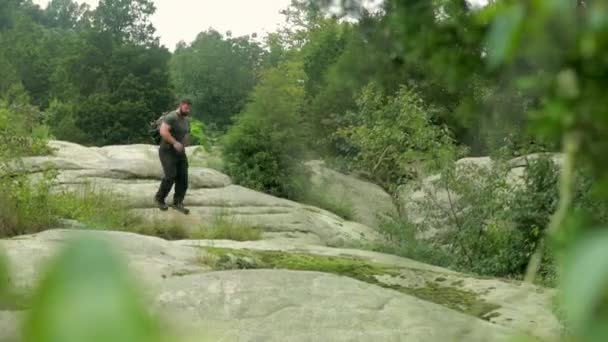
451	297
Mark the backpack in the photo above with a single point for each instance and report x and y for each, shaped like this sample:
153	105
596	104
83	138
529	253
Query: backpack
155	129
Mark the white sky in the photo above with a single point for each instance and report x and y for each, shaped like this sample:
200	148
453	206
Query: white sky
177	20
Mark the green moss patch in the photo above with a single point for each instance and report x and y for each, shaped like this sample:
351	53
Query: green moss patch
451	297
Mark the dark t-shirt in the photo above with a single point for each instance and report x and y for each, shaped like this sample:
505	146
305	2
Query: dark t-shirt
180	128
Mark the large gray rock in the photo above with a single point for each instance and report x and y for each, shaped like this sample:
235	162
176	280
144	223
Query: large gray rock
274	305
369	201
279	305
133	172
516	305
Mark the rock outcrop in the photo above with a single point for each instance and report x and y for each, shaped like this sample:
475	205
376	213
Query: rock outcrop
133	173
369	201
400	299
290	286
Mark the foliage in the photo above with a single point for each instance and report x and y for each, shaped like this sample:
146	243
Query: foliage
61	118
199	134
21	132
486	220
474	213
105	76
126	20
139	82
217	73
88	295
572	112
392	139
583	299
263	150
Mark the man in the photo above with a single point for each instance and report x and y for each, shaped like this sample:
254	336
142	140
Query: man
174	131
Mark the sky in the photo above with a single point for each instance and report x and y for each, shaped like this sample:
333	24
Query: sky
177	20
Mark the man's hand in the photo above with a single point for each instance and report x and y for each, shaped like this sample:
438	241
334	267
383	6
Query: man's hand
178	146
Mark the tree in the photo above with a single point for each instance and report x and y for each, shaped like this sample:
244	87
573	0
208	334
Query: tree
126	20
65	14
264	149
132	90
217	73
393	139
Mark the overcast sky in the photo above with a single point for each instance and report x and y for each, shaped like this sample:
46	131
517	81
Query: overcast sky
177	20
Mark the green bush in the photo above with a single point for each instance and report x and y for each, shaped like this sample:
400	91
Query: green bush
264	149
392	139
95	208
198	134
25	205
487	223
22	132
61	117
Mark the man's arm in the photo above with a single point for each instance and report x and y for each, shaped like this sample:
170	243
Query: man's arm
165	132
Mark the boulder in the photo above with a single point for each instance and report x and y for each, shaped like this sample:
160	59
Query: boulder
369	201
272	304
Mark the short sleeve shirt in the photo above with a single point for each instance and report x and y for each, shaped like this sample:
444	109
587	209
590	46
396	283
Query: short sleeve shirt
180	127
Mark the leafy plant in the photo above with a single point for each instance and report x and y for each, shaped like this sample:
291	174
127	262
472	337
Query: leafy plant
392	139
88	295
264	149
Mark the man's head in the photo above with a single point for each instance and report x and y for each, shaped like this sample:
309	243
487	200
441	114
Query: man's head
185	106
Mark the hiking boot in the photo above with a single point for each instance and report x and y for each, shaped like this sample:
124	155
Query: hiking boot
180	207
161	205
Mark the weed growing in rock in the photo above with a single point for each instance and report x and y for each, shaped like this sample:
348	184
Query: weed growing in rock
225	227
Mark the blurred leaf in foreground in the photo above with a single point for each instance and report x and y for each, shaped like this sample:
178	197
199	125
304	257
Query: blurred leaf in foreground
585	287
88	295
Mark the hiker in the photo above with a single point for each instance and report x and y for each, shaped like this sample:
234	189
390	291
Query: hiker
174	131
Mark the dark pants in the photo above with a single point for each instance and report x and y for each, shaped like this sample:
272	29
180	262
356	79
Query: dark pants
175	166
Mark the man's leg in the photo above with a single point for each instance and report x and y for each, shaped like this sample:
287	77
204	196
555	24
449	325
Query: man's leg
168	162
181	180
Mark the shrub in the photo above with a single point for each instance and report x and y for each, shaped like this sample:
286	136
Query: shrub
488	223
95	208
264	149
61	117
24	203
392	139
198	134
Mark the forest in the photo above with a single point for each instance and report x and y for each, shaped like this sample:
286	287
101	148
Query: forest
390	93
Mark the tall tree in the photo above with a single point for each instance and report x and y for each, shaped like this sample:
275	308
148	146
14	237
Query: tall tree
126	20
217	73
65	14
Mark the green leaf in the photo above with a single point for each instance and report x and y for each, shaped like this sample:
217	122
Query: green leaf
88	296
505	34
585	284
